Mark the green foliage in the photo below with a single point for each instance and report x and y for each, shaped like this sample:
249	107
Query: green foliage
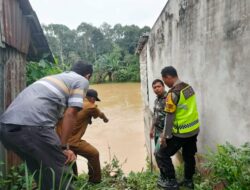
15	178
229	167
35	71
113	178
110	49
142	180
19	178
131	73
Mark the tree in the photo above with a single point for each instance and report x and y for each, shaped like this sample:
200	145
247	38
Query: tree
109	49
130	38
61	40
84	46
107	31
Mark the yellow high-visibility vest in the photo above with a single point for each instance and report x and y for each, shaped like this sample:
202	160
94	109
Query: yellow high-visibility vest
186	114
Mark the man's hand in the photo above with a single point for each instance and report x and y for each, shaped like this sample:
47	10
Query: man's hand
71	157
163	141
105	120
151	134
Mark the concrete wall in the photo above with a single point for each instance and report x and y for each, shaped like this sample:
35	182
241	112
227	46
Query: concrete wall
145	92
208	41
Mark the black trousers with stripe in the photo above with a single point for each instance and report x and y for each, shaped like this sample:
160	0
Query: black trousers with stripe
189	148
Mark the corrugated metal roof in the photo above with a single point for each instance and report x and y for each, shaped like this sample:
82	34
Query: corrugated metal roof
21	29
16	27
1	24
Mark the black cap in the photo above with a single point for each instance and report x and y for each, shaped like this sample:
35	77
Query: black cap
82	68
93	93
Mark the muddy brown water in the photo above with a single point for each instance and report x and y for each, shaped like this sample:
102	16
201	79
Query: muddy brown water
123	136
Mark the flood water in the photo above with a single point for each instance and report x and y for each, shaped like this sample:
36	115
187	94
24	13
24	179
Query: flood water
123	135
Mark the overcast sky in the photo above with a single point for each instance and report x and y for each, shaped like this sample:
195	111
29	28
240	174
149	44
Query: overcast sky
72	12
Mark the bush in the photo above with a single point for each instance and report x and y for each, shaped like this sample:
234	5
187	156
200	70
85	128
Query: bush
131	74
228	168
113	178
35	71
15	179
142	180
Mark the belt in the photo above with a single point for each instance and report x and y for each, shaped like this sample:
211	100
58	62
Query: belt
4	125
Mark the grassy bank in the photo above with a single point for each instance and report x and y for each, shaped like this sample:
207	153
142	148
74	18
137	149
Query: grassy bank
227	168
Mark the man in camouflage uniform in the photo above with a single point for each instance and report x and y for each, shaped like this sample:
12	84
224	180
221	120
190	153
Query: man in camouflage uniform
159	113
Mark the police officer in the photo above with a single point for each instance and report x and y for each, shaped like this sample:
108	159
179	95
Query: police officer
180	131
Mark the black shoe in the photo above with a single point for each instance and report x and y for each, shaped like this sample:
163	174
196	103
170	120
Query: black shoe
168	184
187	183
160	178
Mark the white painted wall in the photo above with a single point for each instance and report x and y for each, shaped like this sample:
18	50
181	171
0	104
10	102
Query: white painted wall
208	41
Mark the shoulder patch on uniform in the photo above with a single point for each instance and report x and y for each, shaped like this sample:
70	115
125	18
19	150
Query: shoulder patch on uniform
170	106
188	92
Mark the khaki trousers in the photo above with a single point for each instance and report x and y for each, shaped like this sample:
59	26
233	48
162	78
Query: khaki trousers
83	148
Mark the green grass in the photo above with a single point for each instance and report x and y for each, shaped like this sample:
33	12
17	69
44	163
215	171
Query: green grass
228	168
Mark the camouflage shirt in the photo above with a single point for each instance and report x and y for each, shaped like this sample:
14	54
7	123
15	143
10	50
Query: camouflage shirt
159	113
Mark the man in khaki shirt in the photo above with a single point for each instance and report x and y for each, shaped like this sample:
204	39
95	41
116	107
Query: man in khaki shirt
82	147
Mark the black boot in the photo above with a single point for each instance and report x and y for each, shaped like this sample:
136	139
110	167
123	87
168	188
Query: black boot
160	178
188	183
168	184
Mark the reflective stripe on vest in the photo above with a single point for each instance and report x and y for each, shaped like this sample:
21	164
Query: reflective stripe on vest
186	115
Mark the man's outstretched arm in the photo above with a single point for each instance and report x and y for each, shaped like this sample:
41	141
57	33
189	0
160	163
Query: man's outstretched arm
97	113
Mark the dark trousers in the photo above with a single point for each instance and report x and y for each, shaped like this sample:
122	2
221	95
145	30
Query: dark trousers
156	138
39	147
163	156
